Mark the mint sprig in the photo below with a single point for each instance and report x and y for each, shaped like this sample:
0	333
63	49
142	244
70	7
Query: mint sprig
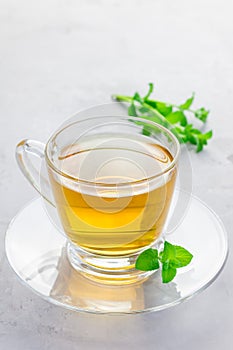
170	259
175	117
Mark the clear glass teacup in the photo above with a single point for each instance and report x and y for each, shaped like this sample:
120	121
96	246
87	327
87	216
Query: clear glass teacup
112	180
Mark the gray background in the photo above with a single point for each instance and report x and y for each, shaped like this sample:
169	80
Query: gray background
59	56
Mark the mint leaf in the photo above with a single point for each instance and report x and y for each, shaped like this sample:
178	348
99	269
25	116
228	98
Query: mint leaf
143	110
177	117
199	145
168	273
146	132
148	260
202	140
174	255
137	97
163	108
201	114
188	102
208	135
196	137
168	253
132	110
192	139
182	257
180	134
151	103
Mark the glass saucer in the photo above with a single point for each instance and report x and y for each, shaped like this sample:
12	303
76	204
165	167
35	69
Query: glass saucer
37	253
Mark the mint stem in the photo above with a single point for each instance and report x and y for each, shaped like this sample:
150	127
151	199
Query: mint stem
129	99
170	115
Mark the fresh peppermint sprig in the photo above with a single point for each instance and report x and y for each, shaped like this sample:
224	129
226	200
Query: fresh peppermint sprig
170	259
175	117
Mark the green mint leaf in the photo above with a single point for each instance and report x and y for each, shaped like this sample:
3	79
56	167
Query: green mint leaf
179	133
202	139
200	145
187	103
182	257
196	137
196	132
137	97
168	253
189	127
191	134
208	135
143	110
177	117
163	108
146	132
201	114
192	139
173	257
151	103
148	260
151	88
168	273
132	110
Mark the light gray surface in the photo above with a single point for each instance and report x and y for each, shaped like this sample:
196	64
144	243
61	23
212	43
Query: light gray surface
57	57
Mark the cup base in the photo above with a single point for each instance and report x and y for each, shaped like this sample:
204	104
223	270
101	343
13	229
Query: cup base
105	269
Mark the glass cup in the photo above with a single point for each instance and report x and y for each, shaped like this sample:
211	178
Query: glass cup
112	180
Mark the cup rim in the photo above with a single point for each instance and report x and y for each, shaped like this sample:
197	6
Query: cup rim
102	184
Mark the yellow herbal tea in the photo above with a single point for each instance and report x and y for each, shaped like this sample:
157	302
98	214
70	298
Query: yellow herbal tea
107	200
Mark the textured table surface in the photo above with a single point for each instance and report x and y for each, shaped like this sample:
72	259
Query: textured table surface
59	56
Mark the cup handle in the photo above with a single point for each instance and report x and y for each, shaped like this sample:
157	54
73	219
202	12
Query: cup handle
24	151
